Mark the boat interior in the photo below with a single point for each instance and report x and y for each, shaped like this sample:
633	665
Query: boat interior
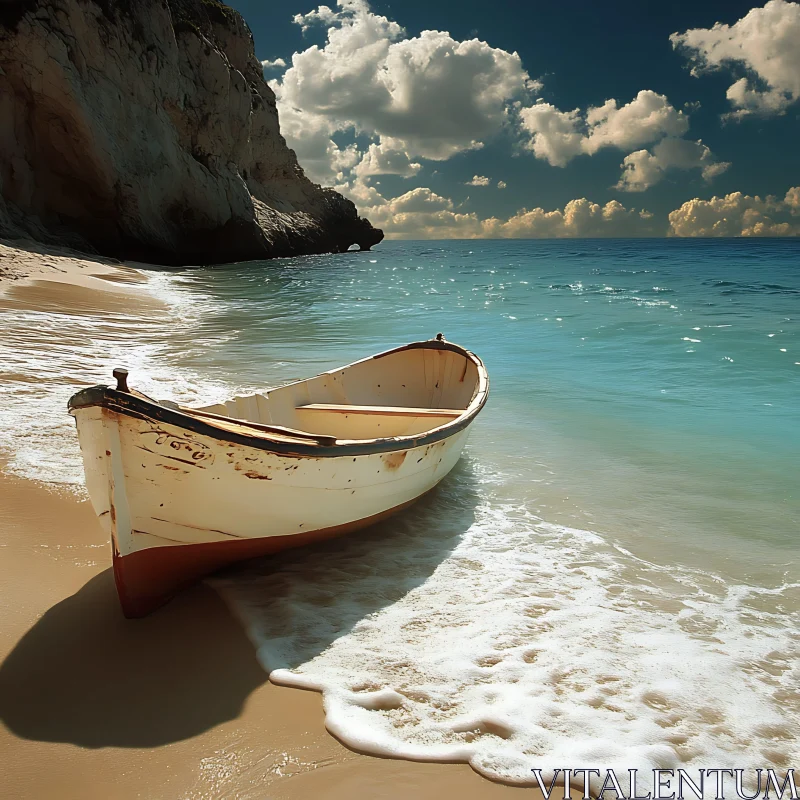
404	392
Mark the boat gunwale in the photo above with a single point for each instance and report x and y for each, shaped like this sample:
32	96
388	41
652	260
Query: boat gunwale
133	405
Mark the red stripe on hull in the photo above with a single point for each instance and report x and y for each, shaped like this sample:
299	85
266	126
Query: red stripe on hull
149	578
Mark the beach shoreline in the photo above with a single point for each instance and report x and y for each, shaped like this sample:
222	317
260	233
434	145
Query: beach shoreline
174	705
546	555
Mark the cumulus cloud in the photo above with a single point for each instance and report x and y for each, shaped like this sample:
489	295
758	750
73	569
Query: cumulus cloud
737	214
322	158
385	158
792	201
578	218
322	16
501	184
431	95
646	118
478	180
555	136
559	136
278	63
645	168
423	214
765	43
362	193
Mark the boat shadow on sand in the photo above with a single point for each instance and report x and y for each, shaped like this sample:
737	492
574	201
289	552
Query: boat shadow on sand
85	675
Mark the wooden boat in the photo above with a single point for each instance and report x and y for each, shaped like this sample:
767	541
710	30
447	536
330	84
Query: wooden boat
185	491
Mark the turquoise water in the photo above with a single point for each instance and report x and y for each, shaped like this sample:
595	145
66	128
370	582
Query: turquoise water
658	380
609	578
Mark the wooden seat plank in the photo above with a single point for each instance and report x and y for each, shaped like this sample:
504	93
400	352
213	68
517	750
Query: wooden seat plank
393	411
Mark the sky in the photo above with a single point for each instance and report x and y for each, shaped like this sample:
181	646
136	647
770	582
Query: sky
461	119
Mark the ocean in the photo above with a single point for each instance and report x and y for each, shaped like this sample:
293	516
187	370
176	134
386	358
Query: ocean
608	579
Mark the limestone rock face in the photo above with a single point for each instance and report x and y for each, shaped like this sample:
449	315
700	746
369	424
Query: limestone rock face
145	129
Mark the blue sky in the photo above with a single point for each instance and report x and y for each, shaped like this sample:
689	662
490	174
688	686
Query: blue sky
363	76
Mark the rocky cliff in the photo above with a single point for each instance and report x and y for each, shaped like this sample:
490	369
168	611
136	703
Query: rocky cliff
145	129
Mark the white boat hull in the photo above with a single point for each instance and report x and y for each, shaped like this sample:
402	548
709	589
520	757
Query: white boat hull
178	503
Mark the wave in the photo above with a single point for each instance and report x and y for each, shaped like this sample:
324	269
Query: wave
50	351
472	630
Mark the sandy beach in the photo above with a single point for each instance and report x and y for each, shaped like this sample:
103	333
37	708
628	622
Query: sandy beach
171	706
478	325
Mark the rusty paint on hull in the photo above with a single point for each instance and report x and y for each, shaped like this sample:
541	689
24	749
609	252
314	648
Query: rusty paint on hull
394	460
149	578
183	492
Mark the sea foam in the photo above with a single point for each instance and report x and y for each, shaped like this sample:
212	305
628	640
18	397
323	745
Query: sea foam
471	630
53	350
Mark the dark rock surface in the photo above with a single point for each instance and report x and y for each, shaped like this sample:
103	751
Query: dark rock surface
144	129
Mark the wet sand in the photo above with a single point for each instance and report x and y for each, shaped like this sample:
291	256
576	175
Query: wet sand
171	706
